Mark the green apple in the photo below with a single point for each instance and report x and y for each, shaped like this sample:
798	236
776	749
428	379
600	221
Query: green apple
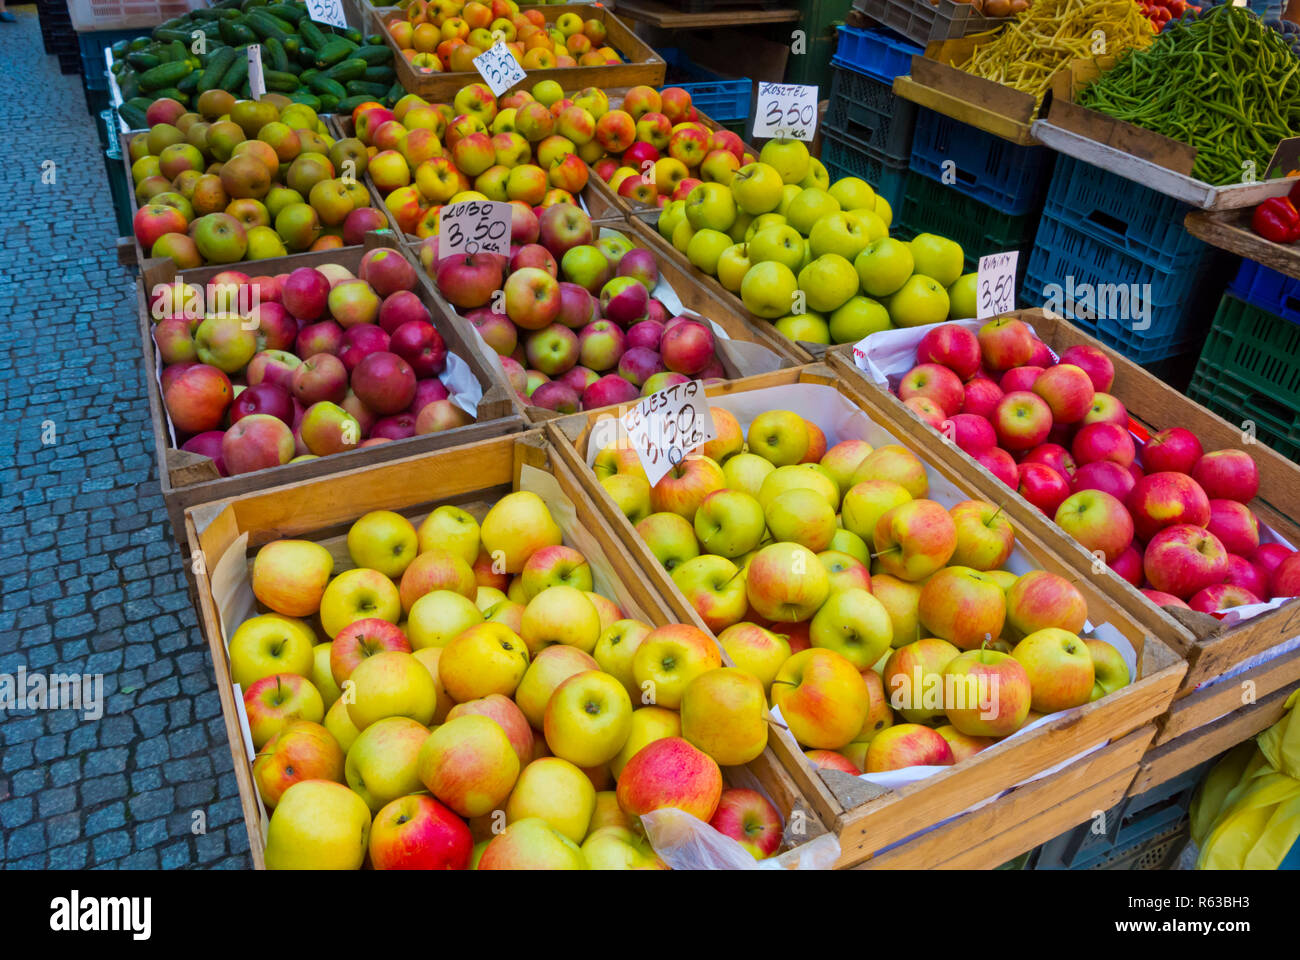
746	472
883	266
799	476
810	206
874	227
853	193
670	537
841	233
858	317
452	529
673	213
855	625
384	541
740	227
705	248
961	297
789	157
788	193
711	206
828	282
381	764
682	234
757	188
884	210
732	266
762	222
729	523
937	257
817	175
846	541
768	288
801	516
805	327
781	244
920	301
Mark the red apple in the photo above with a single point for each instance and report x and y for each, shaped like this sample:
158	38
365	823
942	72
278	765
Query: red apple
401	307
1243	573
1022	421
384	382
1055	456
1020	378
1043	487
1104	475
1103	441
1227	475
361	341
1235	525
1067	390
1162	500
421	345
1174	450
1094	362
1001	464
936	383
1129	565
952	346
1221	596
982	396
305	293
1183	559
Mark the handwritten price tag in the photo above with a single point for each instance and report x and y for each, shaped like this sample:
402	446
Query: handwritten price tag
665	426
327	11
498	68
785	110
474	226
995	286
256	81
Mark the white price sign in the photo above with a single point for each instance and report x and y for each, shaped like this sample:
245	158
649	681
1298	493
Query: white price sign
498	68
474	226
995	285
666	426
256	81
327	11
785	110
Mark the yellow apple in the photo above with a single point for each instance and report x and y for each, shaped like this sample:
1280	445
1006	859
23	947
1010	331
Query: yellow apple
648	725
755	650
469	764
271	644
485	659
588	719
616	648
550	668
452	529
438	618
516	527
381	763
339	723
391	684
556	791
382	540
321	677
289	576
671	657
724	713
560	614
532	844
429	656
607	812
618	848
358	595
318	825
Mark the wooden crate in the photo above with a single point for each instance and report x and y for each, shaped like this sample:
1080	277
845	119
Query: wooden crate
642	66
1209	649
868	819
187	478
473	477
777	351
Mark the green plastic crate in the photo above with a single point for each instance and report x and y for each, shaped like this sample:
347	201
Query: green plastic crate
930	207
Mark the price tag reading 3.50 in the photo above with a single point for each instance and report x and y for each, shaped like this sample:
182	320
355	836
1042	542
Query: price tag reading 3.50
498	68
327	11
785	110
256	79
474	226
666	426
995	285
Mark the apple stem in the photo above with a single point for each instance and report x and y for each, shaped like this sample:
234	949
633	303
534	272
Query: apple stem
996	514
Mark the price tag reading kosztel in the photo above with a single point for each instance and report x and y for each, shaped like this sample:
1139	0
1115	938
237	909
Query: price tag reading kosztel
256	81
327	11
498	68
666	426
995	285
474	226
785	110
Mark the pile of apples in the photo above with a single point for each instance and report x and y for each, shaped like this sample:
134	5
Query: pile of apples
438	36
461	698
831	578
813	257
523	149
573	318
672	152
1166	516
245	180
325	362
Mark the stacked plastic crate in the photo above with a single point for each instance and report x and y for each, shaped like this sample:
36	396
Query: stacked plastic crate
724	99
1249	371
984	192
1116	256
867	131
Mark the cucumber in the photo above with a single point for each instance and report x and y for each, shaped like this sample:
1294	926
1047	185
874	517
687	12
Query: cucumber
190	82
279	82
128	86
302	96
329	103
377	40
133	114
179	96
395	93
265	27
139	43
236	74
250	4
234	32
353	34
120	48
292	46
361	88
164	75
167	35
326	87
306	56
345	70
217	66
374	56
273	52
143	61
178	51
293	12
311	34
333	51
381	74
351	103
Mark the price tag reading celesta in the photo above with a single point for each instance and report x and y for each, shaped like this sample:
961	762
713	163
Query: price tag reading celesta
785	110
474	226
256	80
995	285
666	426
498	68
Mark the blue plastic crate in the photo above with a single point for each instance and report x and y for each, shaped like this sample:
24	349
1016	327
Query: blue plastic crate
722	99
1172	299
1009	178
1267	289
877	53
867	115
843	159
93	65
1119	212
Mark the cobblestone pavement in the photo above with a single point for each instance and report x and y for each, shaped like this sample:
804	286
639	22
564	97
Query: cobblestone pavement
90	581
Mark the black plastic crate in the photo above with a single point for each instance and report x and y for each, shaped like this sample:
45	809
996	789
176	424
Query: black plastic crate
866	113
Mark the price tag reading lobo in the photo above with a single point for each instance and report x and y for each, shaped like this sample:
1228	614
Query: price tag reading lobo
327	11
785	110
995	285
498	68
474	226
666	426
256	81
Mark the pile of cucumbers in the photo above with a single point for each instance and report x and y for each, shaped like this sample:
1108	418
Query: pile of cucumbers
328	68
